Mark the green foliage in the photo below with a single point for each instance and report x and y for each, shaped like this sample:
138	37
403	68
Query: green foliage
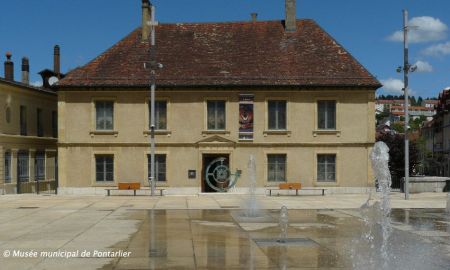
413	100
399	128
397	156
382	115
419	101
415	124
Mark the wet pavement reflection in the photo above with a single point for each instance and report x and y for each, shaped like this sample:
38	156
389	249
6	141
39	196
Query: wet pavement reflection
214	239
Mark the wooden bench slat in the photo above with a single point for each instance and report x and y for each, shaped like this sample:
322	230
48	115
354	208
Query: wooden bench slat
290	186
294	186
130	186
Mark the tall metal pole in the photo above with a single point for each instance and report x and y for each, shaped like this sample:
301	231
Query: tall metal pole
405	82
153	24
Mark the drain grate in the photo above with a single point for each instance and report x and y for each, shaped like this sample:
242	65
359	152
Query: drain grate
269	242
229	206
27	207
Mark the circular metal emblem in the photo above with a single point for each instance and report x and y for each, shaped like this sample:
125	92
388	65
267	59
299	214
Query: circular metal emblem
218	175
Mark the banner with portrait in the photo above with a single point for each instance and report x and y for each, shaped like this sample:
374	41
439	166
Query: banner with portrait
246	116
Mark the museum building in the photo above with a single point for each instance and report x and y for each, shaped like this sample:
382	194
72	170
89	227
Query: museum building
283	91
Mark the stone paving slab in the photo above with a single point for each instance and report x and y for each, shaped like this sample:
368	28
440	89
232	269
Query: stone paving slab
51	223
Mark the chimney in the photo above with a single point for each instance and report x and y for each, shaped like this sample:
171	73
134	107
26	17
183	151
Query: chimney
254	16
9	68
56	61
25	71
290	23
145	19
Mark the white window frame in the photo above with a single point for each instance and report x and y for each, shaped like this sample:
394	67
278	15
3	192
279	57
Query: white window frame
157	171
216	128
21	177
325	180
157	116
8	166
326	114
277	124
268	164
39	161
105	172
96	127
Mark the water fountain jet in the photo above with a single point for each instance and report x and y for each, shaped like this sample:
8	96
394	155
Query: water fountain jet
283	222
251	204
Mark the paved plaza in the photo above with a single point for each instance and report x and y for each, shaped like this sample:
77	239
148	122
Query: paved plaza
198	232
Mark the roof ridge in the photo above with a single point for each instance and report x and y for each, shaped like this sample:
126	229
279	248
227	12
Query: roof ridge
228	53
231	22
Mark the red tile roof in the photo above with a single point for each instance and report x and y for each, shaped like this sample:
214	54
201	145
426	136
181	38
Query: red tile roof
227	54
431	101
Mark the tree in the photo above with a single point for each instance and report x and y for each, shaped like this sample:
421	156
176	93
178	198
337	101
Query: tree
415	124
397	157
419	101
381	116
399	128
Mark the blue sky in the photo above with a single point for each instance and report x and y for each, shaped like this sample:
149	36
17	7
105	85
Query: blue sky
86	28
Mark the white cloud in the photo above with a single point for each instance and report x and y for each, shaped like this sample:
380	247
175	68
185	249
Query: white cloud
423	66
37	83
393	86
438	49
423	29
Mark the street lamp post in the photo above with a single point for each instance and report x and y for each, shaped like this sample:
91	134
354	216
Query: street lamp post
406	69
152	23
405	82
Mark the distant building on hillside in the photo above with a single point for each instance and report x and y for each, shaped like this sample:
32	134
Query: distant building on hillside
430	103
414	112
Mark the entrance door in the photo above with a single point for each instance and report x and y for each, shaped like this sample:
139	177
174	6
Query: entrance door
207	159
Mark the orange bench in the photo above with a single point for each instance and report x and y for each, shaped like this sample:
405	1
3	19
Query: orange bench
293	186
130	186
125	186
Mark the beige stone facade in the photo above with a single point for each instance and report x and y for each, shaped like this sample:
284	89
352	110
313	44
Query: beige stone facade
21	135
284	92
187	140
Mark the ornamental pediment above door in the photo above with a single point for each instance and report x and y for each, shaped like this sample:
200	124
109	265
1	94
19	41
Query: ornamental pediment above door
216	141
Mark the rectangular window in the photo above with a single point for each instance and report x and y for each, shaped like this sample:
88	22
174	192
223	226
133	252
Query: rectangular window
7	167
104	115
40	123
326	168
23	166
216	115
104	168
54	124
40	165
326	114
277	114
160	167
160	115
276	168
23	120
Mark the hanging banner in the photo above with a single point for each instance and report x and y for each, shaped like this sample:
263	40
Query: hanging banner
246	117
